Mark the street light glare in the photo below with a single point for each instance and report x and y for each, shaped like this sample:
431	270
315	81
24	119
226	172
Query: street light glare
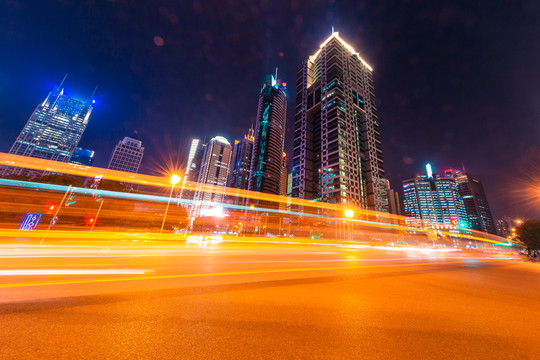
349	213
175	179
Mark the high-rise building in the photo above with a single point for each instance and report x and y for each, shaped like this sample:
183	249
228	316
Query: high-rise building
127	155
284	184
193	167
337	143
82	157
266	162
53	131
472	192
213	175
194	162
394	207
503	228
241	162
284	176
434	199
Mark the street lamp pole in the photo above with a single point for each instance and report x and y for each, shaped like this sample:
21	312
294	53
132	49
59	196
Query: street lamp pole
174	180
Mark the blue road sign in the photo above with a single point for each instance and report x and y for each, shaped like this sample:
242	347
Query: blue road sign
30	222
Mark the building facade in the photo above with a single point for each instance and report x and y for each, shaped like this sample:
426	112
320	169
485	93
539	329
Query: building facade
434	200
82	157
213	175
474	198
127	155
394	206
53	131
266	161
241	162
193	167
337	144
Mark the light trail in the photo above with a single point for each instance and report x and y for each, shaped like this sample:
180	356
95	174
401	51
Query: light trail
230	273
309	216
164	199
72	272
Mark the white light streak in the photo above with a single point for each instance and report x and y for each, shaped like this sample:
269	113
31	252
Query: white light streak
73	272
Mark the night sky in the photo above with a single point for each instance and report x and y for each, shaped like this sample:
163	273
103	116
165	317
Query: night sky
457	82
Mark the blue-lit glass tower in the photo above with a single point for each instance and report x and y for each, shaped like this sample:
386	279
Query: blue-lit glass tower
434	199
266	162
241	162
53	131
83	157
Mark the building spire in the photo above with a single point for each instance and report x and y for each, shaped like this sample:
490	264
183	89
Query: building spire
64	79
93	93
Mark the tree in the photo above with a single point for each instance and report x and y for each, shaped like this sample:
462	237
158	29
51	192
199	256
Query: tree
529	234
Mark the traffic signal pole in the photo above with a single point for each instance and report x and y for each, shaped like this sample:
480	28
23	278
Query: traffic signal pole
56	213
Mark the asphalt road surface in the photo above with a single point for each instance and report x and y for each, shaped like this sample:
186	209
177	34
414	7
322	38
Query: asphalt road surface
264	301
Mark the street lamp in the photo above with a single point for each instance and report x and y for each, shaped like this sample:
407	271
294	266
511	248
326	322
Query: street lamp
175	179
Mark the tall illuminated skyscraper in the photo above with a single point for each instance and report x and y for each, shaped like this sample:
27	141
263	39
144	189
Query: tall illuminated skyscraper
53	131
434	199
193	167
337	142
241	162
474	198
213	175
269	139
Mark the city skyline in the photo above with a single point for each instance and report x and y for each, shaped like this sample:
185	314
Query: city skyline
448	131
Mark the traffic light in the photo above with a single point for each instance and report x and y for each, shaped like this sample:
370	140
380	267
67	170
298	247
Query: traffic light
90	220
462	225
50	208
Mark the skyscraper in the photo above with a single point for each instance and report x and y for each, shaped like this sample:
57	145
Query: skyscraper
337	143
241	162
284	179
53	131
194	162
127	155
82	157
193	167
284	176
434	199
213	174
474	198
394	206
269	139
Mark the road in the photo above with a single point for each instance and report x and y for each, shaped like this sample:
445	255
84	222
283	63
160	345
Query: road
136	300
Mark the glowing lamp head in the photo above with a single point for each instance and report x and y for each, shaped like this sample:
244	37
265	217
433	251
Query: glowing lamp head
349	213
175	179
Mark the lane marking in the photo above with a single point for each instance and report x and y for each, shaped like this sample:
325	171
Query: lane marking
179	276
72	272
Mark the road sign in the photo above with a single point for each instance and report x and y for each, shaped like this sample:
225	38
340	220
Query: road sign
54	220
30	222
